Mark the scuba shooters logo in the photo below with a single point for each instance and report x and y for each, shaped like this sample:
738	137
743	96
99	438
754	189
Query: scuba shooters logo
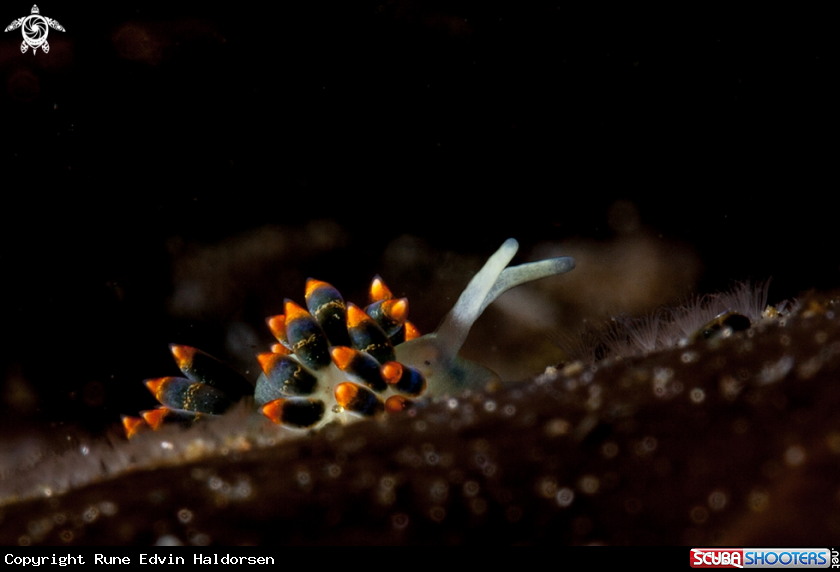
764	558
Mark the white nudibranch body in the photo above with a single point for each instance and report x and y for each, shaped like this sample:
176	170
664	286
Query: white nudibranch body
336	361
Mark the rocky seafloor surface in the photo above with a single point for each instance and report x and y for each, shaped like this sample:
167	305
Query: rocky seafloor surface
732	441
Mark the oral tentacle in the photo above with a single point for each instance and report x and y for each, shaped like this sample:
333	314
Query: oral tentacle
452	333
528	272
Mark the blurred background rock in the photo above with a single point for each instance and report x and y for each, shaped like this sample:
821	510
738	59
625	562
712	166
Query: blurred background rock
171	173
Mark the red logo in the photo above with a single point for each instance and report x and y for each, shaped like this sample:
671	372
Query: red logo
717	558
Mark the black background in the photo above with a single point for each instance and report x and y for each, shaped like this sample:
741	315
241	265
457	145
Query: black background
459	122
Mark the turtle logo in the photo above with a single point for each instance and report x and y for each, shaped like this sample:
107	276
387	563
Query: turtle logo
35	29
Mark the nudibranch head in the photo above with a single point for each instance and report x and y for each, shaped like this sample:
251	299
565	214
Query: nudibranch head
436	355
335	361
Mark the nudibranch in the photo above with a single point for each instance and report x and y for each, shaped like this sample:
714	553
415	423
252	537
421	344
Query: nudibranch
336	362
